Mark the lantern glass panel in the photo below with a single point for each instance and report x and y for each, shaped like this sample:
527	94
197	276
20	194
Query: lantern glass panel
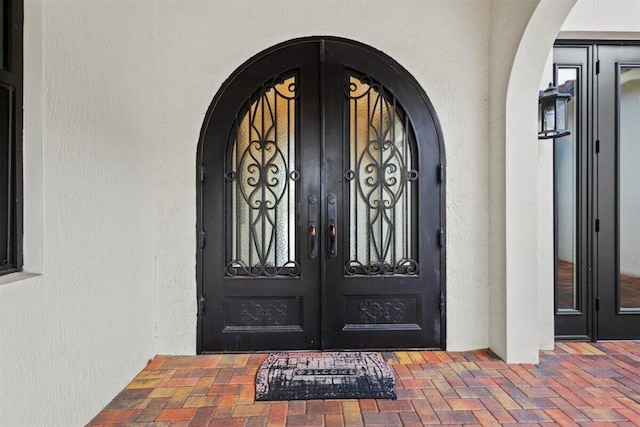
549	116
539	118
561	114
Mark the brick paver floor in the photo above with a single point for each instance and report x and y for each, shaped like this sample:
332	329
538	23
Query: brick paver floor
576	384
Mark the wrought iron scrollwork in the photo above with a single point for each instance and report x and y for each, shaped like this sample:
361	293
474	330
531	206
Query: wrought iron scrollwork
388	312
404	266
253	314
262	177
381	175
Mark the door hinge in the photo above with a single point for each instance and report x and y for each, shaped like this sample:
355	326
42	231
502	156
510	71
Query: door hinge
202	239
201	306
203	170
440	173
598	66
442	303
441	237
598	304
597	145
597	225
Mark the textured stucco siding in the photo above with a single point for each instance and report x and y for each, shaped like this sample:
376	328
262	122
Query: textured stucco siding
72	337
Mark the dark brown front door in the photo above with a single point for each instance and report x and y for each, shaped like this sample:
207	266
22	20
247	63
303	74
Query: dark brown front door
321	205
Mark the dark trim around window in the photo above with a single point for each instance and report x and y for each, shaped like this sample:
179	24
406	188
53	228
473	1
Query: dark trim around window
11	106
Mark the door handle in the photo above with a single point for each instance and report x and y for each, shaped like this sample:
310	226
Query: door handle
331	222
313	226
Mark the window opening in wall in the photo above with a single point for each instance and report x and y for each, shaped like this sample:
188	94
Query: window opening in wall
11	12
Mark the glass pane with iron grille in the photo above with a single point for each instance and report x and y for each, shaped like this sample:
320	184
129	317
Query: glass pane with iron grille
566	175
382	182
262	178
629	202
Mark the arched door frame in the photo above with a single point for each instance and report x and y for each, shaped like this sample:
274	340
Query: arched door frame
201	172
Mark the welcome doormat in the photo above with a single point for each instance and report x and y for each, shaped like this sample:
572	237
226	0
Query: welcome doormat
335	375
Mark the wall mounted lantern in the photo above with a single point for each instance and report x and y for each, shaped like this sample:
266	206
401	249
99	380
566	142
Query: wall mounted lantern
553	114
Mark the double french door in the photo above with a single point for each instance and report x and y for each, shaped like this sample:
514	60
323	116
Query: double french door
597	193
320	205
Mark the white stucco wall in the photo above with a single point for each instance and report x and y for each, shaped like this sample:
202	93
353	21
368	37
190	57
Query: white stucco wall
444	44
603	19
508	22
71	338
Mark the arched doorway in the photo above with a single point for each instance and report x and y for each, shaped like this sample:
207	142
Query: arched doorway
320	204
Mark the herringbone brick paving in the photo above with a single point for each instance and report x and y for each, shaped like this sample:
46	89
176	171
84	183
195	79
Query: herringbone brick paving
576	384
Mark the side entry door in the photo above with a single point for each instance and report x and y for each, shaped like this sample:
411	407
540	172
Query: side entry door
597	193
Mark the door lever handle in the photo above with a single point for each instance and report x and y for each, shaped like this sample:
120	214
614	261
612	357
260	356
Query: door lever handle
332	241
313	229
313	241
331	220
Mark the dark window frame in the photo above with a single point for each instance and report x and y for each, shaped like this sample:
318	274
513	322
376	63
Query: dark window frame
11	77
